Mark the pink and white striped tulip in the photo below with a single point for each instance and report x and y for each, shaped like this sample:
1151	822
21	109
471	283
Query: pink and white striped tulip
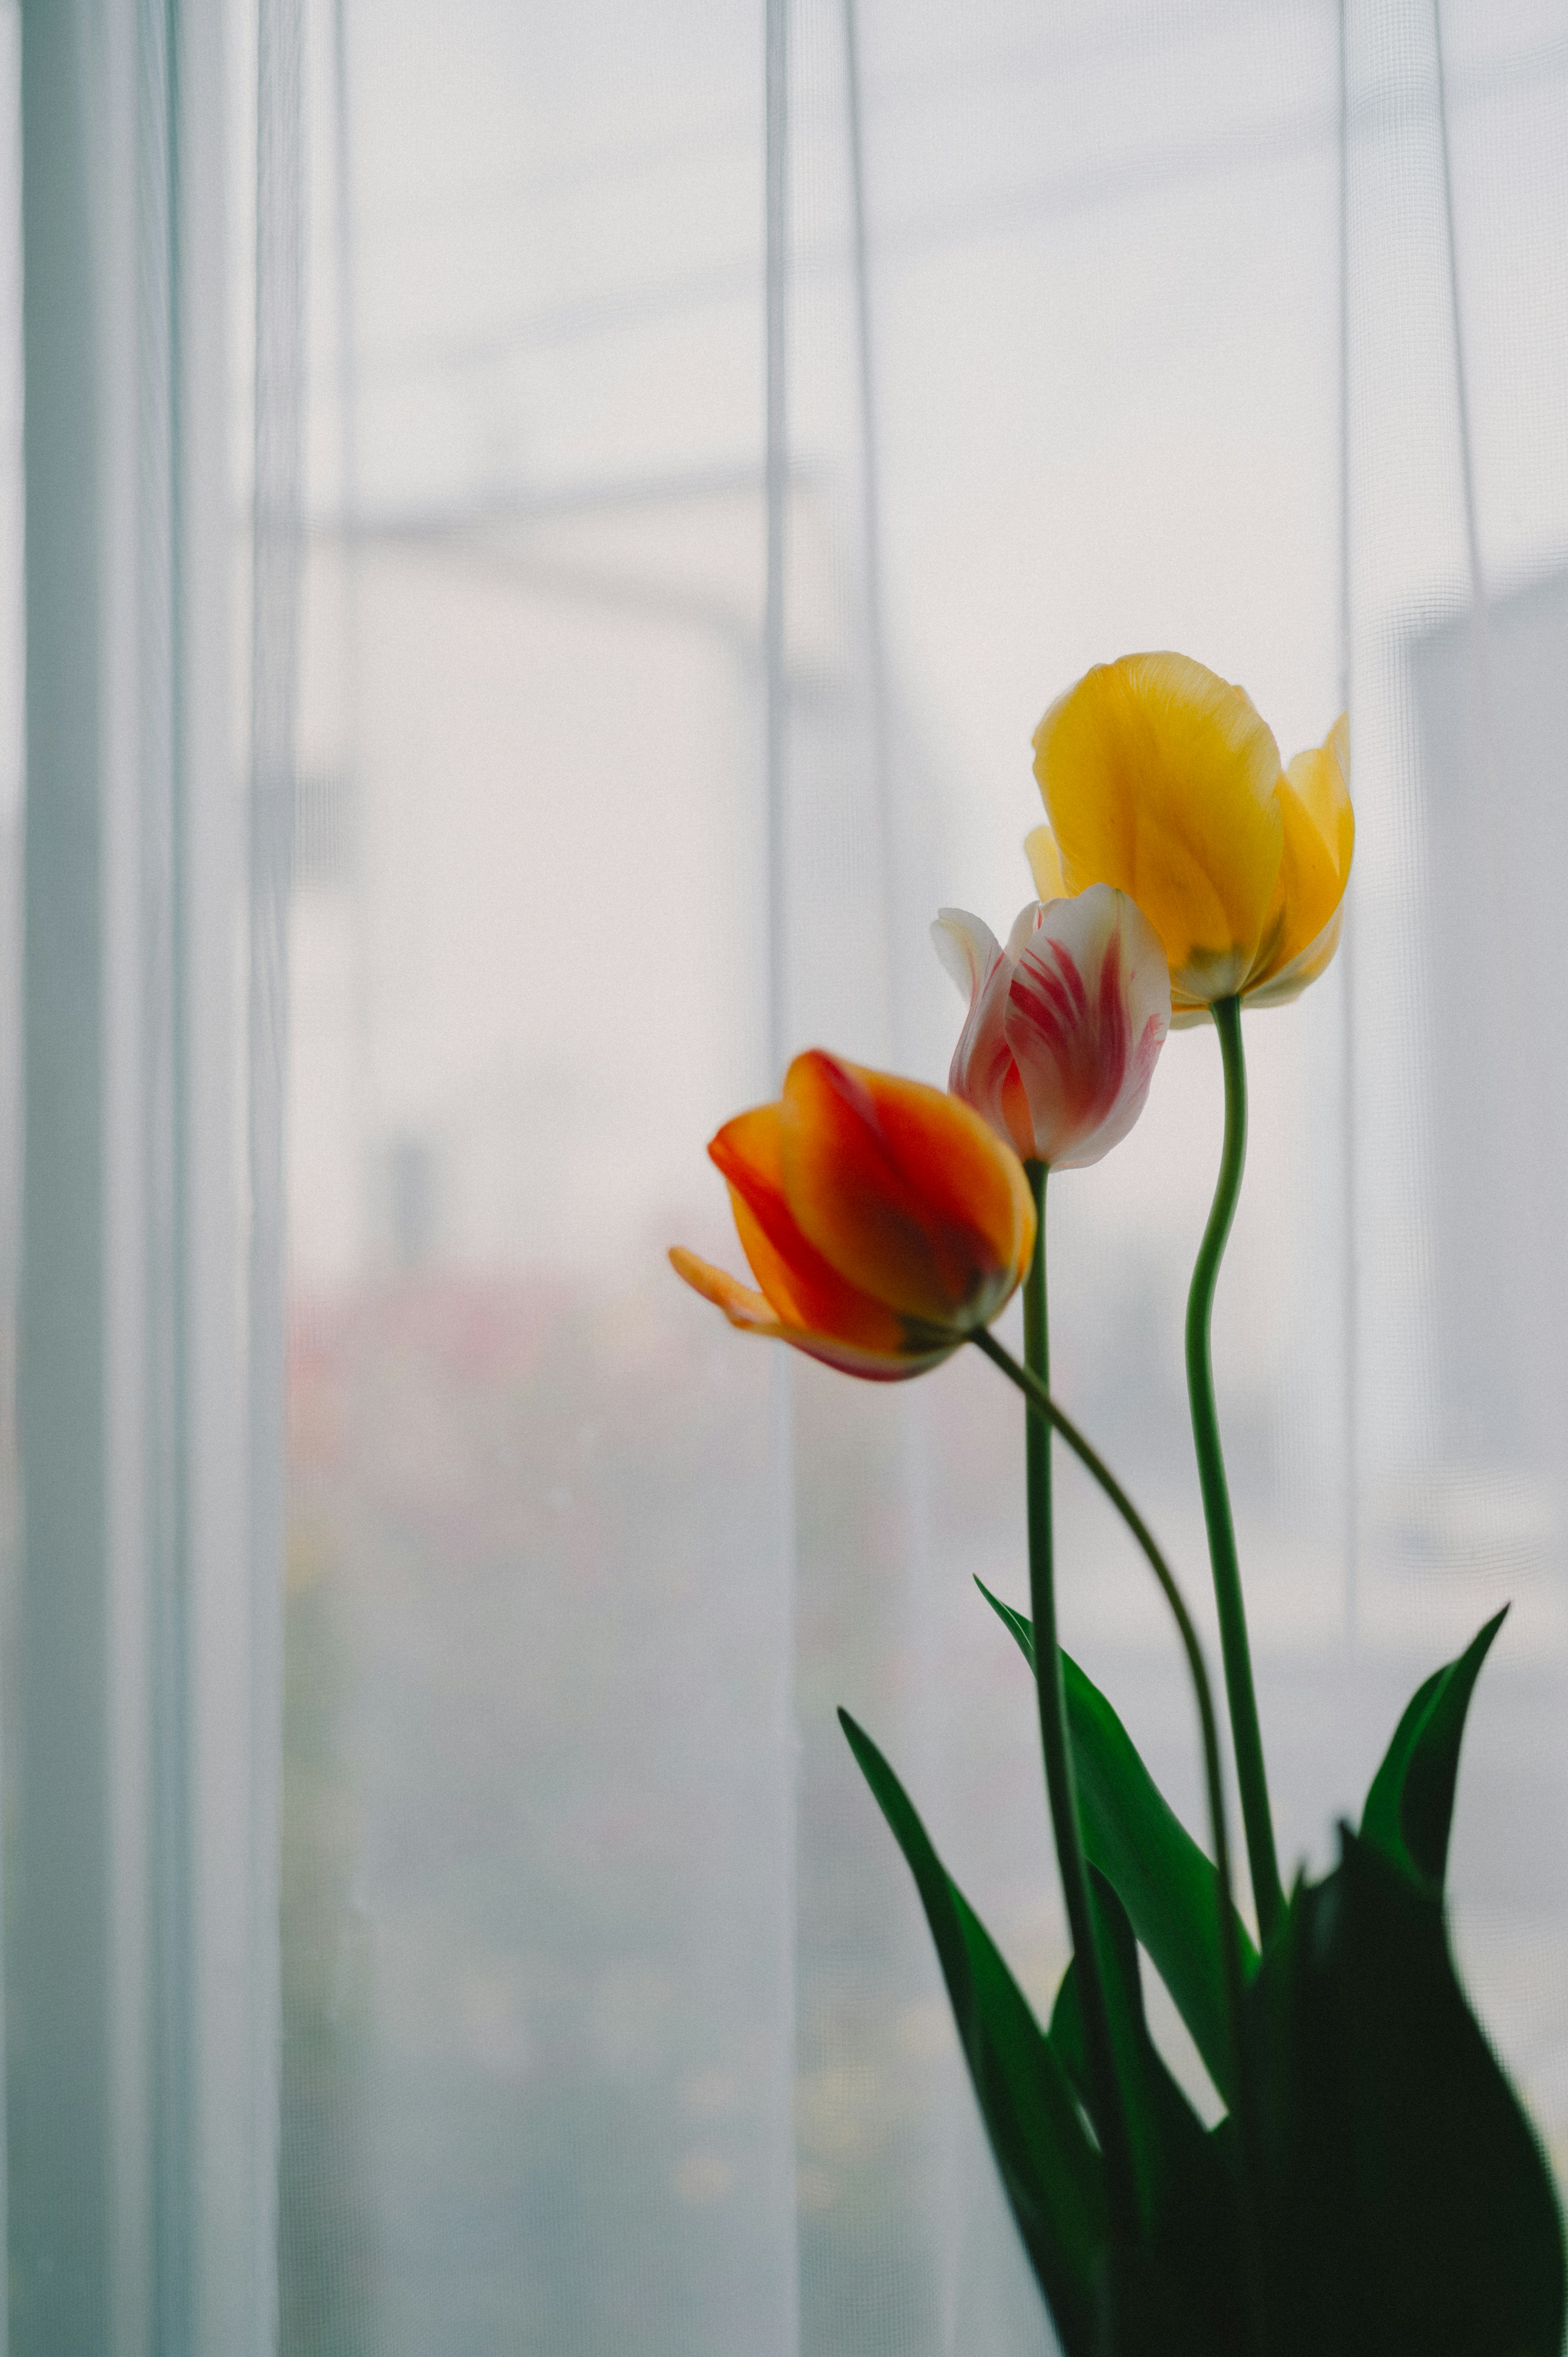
1064	1024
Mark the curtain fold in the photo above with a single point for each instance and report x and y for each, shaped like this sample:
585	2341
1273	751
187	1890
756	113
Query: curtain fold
139	2153
276	543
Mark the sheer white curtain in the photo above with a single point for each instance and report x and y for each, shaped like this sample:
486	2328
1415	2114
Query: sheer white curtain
757	419
725	431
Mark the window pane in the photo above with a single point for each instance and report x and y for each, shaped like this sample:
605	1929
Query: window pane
611	2018
536	1857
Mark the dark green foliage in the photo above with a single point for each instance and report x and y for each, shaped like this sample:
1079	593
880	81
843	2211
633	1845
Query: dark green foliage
1186	2194
1400	2207
1050	2170
1410	1804
1410	2210
1134	1837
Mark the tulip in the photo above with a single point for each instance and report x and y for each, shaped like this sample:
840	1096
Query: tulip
1161	779
882	1221
1064	1024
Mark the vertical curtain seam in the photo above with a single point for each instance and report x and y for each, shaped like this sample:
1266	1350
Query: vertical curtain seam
277	426
870	540
1505	851
172	1901
776	288
777	473
1461	385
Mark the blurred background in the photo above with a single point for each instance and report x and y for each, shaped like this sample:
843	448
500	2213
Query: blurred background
609	2019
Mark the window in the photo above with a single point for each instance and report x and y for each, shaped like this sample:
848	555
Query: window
547	537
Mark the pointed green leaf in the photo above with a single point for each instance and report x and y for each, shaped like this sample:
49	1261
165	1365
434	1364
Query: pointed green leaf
1161	1877
1019	1624
1410	1807
1051	2170
1411	2209
1167	2134
1186	2194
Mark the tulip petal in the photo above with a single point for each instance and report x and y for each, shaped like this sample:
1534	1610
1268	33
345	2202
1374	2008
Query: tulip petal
1087	1015
751	1314
805	1292
1044	863
1319	839
905	1191
1291	980
982	1072
741	1306
1025	925
1160	777
869	1365
967	948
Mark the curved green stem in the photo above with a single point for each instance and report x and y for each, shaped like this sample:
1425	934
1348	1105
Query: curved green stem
1245	1732
1037	1393
1110	2111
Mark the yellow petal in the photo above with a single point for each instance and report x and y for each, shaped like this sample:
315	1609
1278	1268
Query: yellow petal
1319	838
1044	863
1291	980
1159	777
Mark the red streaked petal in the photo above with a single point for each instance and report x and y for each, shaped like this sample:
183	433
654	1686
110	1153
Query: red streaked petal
904	1190
1018	1124
981	1071
805	1292
809	1295
1025	925
1087	1015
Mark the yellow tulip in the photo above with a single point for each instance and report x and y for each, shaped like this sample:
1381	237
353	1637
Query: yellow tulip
1160	777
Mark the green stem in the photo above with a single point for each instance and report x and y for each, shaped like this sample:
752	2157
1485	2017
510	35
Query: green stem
1037	1393
1109	2114
1245	1732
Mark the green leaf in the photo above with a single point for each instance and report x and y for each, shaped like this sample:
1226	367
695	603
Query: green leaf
1164	1880
1050	2170
1410	1804
1187	2194
1411	2209
1018	1623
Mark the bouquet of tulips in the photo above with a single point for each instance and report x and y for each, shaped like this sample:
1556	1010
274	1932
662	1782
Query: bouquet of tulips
1374	2188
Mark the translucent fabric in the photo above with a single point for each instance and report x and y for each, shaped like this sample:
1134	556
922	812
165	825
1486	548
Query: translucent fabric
725	430
615	2021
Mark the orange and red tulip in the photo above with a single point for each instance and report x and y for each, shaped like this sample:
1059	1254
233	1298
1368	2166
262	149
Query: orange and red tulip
884	1222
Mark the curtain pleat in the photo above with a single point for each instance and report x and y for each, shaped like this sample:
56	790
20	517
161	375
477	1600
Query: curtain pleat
139	2145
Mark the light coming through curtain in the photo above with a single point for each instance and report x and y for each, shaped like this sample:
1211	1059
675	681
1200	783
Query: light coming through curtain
723	432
